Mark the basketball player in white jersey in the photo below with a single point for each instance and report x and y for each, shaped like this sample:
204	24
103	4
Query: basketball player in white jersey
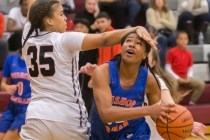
57	111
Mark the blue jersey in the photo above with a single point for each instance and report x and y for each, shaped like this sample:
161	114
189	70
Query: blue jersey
15	69
128	98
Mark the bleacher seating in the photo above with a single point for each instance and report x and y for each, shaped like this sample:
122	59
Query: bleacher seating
200	67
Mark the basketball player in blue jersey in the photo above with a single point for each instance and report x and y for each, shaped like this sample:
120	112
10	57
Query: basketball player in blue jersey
169	94
15	81
56	110
119	96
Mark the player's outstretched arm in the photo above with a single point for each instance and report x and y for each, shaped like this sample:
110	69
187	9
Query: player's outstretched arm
92	41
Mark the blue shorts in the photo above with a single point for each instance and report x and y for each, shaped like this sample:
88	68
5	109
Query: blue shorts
13	117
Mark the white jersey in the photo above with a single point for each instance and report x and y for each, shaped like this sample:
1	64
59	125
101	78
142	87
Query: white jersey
52	63
152	125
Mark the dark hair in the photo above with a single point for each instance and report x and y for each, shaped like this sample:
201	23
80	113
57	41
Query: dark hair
180	32
170	82
84	21
39	10
103	15
14	42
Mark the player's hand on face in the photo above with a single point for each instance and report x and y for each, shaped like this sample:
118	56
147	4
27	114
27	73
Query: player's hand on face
88	69
160	111
11	89
144	34
199	130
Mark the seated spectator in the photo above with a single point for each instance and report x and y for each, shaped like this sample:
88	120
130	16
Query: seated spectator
17	17
90	11
3	43
116	10
103	22
133	8
125	12
179	63
194	18
91	56
16	21
163	20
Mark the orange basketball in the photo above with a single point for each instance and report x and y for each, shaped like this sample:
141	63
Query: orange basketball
179	128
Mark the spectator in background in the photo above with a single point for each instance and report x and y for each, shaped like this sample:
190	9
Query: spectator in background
116	10
103	22
179	63
90	11
133	8
91	56
194	18
125	12
15	23
17	17
162	19
3	43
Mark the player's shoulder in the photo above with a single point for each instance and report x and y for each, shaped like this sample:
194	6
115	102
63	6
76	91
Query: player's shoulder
12	56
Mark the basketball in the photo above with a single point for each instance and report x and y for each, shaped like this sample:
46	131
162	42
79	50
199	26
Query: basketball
179	128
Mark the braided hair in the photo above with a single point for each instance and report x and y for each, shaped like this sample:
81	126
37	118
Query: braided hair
38	11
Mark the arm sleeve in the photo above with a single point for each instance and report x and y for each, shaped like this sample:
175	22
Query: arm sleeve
190	72
13	13
170	71
72	41
6	69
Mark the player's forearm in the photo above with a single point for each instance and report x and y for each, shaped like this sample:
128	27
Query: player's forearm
3	84
116	114
110	38
114	37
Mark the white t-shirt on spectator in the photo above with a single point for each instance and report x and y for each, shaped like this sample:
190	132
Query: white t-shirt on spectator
16	15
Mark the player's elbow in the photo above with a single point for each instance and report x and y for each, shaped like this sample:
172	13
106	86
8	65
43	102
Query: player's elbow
105	116
105	40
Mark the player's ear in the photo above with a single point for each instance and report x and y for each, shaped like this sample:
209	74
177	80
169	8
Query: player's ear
49	21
